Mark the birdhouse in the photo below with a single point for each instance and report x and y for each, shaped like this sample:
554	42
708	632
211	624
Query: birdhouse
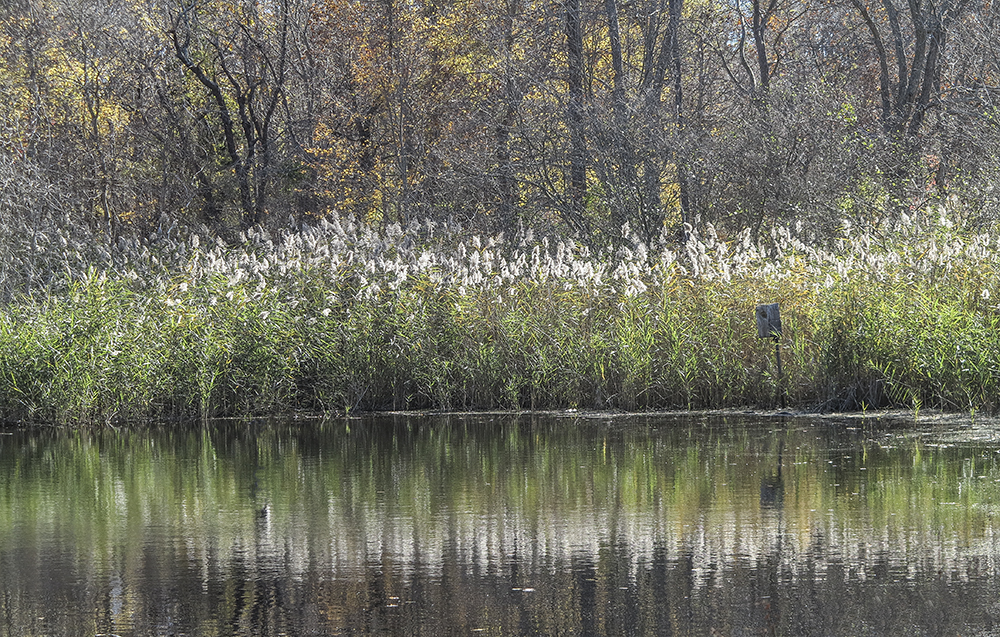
768	321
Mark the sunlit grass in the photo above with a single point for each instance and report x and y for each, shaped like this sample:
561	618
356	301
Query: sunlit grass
340	317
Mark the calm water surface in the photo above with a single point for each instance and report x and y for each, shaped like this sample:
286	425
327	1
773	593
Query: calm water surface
507	525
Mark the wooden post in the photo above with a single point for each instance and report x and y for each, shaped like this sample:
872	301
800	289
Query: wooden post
769	326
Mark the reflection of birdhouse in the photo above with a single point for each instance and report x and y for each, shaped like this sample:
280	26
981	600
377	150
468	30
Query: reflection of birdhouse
772	489
768	321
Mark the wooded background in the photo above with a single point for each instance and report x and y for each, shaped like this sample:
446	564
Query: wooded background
575	117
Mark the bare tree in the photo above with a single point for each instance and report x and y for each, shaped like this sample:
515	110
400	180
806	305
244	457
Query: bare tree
243	67
909	53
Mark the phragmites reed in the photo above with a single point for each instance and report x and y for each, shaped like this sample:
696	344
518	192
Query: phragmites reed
340	316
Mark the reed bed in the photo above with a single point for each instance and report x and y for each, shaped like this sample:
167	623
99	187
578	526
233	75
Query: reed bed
337	316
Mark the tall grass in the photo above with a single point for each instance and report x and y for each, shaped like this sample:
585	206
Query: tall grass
338	316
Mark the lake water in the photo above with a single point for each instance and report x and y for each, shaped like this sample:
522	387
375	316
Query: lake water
502	525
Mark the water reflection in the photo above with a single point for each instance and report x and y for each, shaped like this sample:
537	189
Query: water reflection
772	487
502	525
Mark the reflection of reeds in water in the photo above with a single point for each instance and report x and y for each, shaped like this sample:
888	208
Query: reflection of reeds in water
544	497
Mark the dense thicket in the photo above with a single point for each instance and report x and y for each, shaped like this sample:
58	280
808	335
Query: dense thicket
577	117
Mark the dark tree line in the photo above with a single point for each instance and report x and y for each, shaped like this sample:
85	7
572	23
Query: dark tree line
584	117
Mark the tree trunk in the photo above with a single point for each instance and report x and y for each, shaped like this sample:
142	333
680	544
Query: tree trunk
680	155
575	214
506	185
625	186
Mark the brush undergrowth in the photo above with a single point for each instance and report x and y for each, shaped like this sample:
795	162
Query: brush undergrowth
340	317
